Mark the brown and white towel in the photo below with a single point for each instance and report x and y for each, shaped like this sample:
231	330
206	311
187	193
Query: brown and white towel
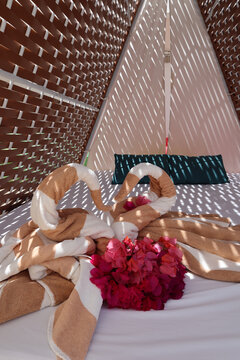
46	261
162	195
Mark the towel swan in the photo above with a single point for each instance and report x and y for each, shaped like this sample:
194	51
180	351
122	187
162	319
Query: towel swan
162	196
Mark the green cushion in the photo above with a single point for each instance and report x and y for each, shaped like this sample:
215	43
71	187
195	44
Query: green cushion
197	169
124	162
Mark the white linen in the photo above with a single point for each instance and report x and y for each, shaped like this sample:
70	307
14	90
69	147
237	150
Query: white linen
203	325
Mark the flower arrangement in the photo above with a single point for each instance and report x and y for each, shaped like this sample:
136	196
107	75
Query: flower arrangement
139	274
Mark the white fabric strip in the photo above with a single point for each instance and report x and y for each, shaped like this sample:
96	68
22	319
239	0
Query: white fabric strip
87	175
150	195
43	211
47	300
211	261
95	228
37	272
167	70
74	273
75	247
89	293
8	243
123	229
9	266
107	218
144	169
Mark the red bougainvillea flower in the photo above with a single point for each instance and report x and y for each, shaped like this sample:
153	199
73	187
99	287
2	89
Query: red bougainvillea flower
139	274
139	201
129	205
116	253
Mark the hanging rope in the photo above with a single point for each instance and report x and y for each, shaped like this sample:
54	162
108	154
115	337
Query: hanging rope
167	74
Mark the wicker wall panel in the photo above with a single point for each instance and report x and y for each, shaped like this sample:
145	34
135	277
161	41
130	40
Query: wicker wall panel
38	134
70	47
222	19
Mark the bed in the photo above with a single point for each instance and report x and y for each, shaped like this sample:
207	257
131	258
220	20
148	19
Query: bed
204	324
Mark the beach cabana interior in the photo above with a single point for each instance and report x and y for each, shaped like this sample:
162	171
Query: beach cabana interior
119	120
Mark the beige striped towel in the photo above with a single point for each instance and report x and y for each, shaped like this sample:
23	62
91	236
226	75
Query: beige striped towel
46	261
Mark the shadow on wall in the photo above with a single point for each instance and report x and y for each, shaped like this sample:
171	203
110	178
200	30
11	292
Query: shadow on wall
203	120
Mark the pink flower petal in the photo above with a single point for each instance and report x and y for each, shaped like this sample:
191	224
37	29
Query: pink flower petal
142	200
168	270
139	274
129	205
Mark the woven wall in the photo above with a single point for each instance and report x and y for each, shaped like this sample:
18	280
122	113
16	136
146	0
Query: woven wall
57	58
222	19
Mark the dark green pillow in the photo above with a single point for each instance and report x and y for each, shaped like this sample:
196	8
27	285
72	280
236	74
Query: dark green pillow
124	162
197	169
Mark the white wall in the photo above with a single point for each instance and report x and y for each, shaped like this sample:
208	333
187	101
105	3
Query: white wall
203	120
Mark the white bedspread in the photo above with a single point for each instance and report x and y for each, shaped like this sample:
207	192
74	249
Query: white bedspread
203	325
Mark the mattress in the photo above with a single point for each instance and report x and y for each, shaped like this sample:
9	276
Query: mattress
203	325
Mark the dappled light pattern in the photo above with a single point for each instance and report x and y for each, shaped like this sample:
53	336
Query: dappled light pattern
210	249
57	59
222	22
221	199
203	120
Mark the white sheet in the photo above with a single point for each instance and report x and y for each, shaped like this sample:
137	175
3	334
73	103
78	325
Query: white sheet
203	325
